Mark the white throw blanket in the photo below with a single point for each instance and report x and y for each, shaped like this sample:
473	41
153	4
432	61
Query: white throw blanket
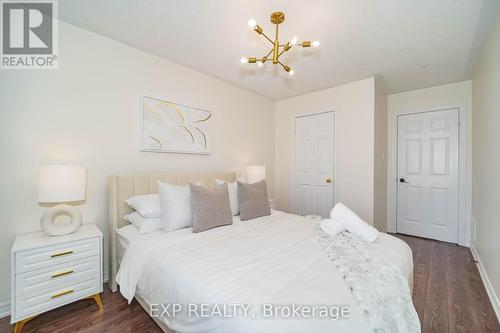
332	227
379	288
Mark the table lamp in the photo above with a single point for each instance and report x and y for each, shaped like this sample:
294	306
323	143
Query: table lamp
255	173
60	184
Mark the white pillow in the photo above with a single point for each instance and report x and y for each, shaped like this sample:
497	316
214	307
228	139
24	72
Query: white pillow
175	202
233	194
144	224
148	205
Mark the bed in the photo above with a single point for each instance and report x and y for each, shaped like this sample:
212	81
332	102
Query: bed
274	259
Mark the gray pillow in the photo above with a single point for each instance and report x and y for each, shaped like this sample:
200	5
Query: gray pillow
253	200
210	207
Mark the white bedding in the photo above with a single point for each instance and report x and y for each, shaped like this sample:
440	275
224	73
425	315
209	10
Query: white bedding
274	259
126	235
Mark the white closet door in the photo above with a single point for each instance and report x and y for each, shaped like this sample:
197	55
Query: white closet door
314	163
428	175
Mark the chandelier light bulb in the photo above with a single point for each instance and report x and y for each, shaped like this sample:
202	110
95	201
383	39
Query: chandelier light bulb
316	43
294	40
252	23
260	63
291	72
244	60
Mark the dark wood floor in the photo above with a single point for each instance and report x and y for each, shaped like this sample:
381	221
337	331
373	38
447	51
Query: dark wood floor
448	295
448	292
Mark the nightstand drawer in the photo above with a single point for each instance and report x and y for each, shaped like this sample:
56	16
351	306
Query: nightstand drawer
56	254
32	304
53	276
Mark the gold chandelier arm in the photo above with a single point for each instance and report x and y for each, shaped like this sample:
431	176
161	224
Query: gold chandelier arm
267	56
269	39
258	29
286	67
284	50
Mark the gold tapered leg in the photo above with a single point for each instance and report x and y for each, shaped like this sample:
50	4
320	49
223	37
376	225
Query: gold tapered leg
20	325
97	299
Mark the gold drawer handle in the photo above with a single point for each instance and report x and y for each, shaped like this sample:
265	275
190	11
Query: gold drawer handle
62	293
62	273
61	254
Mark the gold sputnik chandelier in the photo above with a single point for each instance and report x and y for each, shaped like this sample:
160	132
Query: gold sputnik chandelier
278	49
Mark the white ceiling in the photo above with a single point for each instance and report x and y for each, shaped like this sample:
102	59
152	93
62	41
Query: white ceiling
410	43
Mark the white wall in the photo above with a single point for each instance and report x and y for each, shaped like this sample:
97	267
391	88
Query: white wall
428	99
486	163
380	157
87	112
354	105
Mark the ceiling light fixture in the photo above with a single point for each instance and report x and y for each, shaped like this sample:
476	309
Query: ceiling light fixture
278	49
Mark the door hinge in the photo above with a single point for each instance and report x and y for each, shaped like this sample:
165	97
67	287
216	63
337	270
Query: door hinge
459	123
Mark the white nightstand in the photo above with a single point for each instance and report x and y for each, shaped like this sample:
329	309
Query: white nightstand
272	204
48	272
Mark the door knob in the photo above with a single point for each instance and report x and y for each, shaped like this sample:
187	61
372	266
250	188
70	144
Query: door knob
328	180
402	180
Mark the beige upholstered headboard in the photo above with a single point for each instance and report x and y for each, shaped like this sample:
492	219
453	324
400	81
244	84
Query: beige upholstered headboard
122	187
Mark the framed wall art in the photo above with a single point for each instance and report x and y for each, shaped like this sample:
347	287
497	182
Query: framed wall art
174	128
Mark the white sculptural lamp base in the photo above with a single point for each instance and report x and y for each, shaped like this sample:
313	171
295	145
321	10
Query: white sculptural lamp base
50	228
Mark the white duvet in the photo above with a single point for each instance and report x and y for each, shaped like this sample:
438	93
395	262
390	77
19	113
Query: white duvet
270	260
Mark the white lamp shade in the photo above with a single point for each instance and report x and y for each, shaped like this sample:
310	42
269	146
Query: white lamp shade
255	173
62	183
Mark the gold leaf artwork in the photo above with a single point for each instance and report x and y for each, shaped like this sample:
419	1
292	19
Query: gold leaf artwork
171	127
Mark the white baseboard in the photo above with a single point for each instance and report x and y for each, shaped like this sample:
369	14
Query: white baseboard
5	306
487	283
4	309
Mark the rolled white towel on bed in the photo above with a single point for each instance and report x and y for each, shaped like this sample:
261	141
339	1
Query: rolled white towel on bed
331	227
353	223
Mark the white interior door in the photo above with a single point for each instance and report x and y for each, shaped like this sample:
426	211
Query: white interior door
314	163
428	175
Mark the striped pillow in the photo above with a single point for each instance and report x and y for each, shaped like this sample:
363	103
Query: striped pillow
175	203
